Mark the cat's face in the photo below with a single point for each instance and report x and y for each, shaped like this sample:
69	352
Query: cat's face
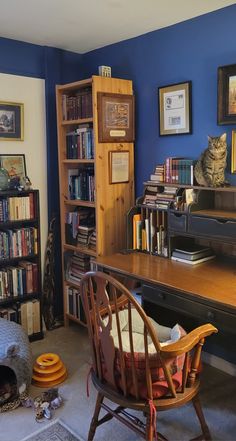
217	143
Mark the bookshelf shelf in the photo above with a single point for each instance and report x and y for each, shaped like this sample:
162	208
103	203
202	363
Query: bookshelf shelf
20	262
80	249
78	161
78	114
79	121
75	319
79	203
71	87
227	189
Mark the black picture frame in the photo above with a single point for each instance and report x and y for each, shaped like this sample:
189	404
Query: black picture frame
175	109
15	166
226	94
11	121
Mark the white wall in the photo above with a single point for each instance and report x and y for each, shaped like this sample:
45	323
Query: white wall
30	92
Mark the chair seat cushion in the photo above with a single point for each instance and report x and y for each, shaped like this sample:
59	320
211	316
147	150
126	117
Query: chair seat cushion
165	336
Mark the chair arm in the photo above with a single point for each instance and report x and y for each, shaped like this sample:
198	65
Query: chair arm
186	343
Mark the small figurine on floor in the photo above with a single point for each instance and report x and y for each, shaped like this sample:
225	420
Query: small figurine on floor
44	403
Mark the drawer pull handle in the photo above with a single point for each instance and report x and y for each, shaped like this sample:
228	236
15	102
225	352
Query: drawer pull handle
161	295
210	315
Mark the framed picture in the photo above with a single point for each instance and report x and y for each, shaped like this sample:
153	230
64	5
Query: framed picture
118	166
15	165
226	95
115	117
175	109
11	121
233	152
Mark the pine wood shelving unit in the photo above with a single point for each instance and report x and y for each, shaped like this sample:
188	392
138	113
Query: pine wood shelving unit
111	201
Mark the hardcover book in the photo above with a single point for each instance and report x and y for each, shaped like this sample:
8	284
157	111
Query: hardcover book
193	252
193	262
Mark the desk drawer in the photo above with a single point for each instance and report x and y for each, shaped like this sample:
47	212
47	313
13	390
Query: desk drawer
212	227
223	320
177	221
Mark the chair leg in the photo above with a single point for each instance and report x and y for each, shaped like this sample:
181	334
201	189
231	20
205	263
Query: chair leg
94	421
149	427
205	430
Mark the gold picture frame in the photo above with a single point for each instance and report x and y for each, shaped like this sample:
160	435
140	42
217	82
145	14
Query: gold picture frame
115	117
118	166
226	109
175	116
233	152
15	166
11	121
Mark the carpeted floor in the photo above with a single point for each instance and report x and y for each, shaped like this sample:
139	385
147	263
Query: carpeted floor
218	399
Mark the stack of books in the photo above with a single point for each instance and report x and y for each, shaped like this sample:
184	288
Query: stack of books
84	232
159	173
192	254
92	242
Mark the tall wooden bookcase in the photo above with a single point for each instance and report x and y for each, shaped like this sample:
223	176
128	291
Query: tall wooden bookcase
77	112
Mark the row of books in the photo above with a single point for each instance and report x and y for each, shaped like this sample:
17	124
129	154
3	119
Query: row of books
17	208
28	315
82	220
74	303
18	280
77	265
174	171
81	184
160	197
77	106
79	144
18	242
149	232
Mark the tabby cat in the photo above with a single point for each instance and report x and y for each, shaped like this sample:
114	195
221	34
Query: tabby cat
210	168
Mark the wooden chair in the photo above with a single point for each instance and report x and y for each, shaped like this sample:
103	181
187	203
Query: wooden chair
158	378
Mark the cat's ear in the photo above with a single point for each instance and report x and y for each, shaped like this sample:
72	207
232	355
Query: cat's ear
209	138
223	137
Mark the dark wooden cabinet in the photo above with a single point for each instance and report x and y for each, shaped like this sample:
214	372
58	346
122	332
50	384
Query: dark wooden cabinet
20	260
193	295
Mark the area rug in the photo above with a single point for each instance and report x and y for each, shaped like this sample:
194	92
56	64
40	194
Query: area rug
56	431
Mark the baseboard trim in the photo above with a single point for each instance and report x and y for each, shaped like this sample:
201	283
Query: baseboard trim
219	363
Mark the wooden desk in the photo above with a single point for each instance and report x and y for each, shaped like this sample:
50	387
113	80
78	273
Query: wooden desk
197	294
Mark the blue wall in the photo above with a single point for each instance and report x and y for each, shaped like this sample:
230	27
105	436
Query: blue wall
191	50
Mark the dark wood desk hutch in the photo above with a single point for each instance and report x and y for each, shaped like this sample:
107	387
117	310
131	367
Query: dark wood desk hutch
175	291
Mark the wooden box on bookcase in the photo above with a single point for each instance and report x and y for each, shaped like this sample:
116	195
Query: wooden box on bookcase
93	210
20	260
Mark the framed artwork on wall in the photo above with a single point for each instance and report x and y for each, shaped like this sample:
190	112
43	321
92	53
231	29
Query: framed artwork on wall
175	109
15	166
233	152
11	121
226	95
118	166
115	117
